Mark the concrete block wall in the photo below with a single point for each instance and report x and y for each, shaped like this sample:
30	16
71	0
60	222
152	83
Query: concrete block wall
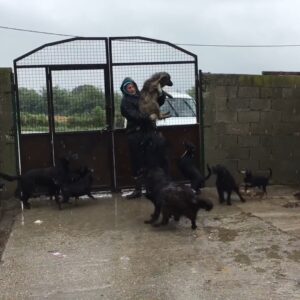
253	121
7	140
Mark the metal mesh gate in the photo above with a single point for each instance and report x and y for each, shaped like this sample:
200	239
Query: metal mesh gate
68	101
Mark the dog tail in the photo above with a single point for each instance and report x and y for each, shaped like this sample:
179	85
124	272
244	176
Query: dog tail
271	173
209	172
9	177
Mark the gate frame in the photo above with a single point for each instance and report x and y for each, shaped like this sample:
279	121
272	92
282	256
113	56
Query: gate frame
109	91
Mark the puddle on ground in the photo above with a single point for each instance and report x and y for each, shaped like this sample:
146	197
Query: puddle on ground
271	252
242	258
221	234
292	204
226	235
260	270
295	255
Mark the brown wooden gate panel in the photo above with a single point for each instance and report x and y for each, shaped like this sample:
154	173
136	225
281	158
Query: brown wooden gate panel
36	151
92	149
175	138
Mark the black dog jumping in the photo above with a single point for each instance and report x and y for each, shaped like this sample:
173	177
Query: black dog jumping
188	168
225	183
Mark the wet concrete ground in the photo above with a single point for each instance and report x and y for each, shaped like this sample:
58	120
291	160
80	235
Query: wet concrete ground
102	250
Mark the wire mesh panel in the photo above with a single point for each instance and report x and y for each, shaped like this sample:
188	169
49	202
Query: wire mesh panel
143	50
78	100
140	59
76	51
33	104
182	107
62	91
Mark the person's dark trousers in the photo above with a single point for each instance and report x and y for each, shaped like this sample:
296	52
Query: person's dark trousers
136	154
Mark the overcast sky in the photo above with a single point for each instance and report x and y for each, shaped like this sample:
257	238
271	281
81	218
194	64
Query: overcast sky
242	22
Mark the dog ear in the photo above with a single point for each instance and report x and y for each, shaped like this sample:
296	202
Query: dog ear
157	76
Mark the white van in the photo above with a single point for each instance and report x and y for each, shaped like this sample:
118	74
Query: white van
182	108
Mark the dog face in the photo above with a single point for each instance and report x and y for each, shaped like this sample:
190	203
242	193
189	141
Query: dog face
204	203
248	175
217	170
189	147
165	79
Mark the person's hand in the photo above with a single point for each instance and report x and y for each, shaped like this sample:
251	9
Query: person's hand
167	94
153	117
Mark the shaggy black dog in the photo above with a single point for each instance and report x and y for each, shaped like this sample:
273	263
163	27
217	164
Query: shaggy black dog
167	197
225	183
188	168
155	151
79	186
171	199
261	182
46	178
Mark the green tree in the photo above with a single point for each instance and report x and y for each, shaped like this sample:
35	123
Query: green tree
31	101
86	97
119	119
61	101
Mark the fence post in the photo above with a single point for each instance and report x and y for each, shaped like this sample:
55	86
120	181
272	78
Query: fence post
8	156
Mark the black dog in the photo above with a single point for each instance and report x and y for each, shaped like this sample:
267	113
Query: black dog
49	178
261	182
80	185
188	168
155	151
182	202
156	180
171	199
225	183
2	185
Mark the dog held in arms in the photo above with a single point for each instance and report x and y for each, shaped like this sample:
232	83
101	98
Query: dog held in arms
150	92
49	178
169	198
188	168
225	183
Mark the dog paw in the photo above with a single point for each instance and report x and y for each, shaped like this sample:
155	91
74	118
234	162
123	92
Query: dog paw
27	205
148	221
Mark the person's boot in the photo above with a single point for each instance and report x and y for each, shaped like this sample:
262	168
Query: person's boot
137	192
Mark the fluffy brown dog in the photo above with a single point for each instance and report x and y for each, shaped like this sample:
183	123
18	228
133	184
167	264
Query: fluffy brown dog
150	92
